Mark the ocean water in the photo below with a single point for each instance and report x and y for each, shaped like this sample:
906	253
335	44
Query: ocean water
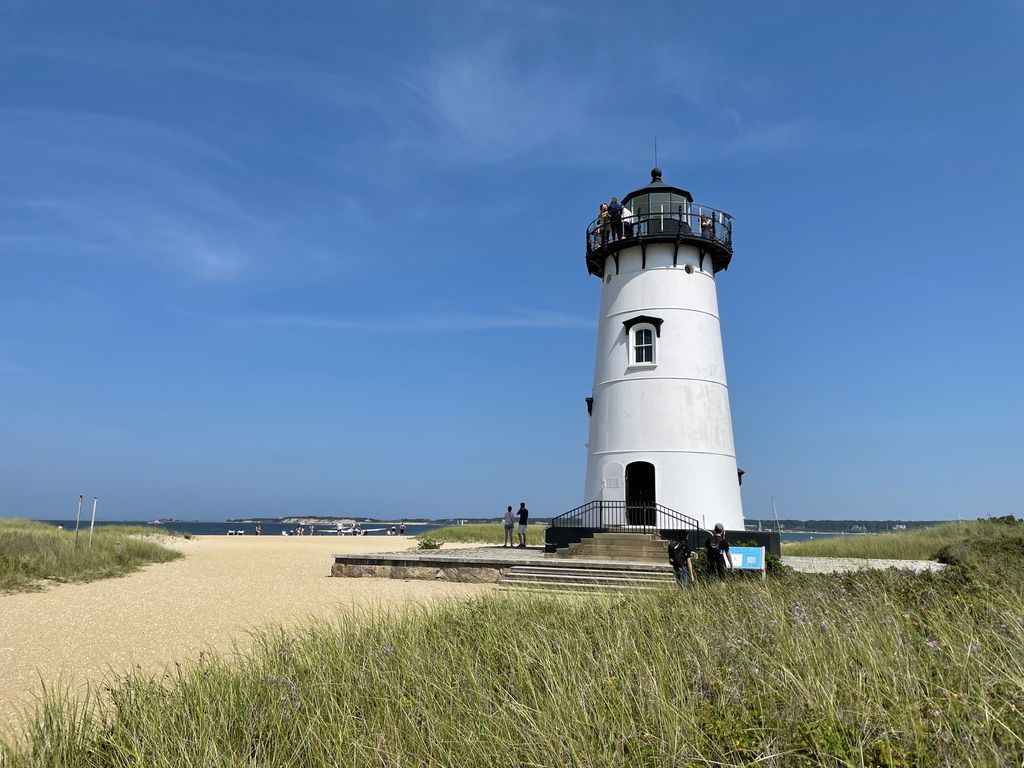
797	536
269	529
371	529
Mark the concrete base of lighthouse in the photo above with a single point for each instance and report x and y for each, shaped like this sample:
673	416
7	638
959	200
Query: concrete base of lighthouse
562	543
703	486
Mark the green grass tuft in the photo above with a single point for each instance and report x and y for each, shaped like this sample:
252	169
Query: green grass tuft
32	553
485	533
919	544
866	669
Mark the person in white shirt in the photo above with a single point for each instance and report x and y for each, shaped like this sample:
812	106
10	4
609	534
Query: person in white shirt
510	522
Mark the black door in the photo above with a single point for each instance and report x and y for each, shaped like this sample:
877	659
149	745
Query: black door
640	494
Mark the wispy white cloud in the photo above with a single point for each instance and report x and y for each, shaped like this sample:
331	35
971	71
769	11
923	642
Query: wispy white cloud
769	137
503	96
494	105
510	92
508	89
126	188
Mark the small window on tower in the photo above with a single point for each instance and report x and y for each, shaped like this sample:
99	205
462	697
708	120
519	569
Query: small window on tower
642	334
643	346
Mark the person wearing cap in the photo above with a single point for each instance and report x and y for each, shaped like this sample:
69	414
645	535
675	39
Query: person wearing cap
680	557
716	552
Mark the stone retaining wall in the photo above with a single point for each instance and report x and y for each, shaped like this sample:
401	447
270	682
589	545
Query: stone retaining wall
462	573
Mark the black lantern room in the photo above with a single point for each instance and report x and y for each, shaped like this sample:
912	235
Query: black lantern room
659	213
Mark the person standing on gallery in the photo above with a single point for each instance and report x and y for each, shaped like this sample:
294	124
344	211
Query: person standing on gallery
615	218
716	552
510	522
524	516
680	557
603	225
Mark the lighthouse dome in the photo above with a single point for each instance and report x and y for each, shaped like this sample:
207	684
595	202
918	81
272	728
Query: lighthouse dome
657	192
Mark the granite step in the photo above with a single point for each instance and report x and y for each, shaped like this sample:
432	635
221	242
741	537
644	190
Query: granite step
549	587
582	578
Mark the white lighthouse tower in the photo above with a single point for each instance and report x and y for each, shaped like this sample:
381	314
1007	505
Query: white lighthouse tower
660	426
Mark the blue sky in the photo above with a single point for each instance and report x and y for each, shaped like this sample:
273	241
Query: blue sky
268	259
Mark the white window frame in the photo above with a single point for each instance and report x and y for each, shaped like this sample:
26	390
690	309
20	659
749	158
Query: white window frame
633	332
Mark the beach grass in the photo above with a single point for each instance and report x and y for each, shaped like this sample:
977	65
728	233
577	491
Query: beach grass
929	543
866	669
484	533
34	553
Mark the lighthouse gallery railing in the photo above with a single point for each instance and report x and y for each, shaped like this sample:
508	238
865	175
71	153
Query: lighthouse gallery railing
689	220
627	517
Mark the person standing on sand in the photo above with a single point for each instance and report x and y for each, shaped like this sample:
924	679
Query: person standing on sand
510	522
680	557
524	515
259	529
401	528
716	551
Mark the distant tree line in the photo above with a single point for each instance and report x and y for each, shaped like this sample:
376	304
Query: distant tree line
843	526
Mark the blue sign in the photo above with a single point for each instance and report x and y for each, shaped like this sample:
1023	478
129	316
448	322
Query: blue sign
748	558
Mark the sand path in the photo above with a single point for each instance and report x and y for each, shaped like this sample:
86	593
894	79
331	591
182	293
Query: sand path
222	588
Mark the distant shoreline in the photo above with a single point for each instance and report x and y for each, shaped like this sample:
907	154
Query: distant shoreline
323	521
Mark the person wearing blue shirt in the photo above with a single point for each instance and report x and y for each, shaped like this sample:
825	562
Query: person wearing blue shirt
615	218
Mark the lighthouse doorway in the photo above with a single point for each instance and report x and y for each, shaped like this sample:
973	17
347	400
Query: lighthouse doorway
640	494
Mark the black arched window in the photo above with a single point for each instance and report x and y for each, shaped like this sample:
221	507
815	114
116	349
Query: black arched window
643	345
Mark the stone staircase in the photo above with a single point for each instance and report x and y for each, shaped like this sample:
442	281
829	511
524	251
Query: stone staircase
584	577
631	547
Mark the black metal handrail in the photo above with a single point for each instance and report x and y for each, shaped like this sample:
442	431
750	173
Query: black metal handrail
628	517
686	220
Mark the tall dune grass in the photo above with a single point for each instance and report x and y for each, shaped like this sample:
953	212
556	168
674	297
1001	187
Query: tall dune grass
484	533
882	669
918	544
32	553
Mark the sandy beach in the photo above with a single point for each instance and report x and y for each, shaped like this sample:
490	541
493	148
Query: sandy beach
224	587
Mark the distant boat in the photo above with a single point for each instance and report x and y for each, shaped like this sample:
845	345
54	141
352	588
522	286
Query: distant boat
349	529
